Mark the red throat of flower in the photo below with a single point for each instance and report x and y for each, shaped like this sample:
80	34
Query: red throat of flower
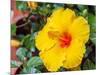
65	40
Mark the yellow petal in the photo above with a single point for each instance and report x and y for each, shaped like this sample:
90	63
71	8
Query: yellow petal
61	19
53	58
80	29
54	21
56	16
68	16
57	13
43	41
74	54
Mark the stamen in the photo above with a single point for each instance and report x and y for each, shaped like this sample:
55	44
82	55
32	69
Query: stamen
53	34
65	40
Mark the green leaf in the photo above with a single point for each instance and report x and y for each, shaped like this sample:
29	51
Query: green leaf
93	37
88	65
30	70
15	64
29	42
82	7
20	37
21	53
85	13
21	5
32	64
58	5
88	50
92	22
26	41
45	9
13	29
34	61
29	54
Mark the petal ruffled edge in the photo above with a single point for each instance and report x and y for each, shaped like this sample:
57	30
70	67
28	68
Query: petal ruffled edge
80	29
53	58
74	55
43	42
68	16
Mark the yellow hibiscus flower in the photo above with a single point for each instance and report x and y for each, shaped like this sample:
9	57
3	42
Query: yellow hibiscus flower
62	40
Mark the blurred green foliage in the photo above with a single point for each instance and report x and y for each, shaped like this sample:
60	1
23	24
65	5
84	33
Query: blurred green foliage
21	53
13	29
21	5
88	65
14	63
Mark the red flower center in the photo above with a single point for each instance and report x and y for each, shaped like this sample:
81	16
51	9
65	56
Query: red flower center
65	40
